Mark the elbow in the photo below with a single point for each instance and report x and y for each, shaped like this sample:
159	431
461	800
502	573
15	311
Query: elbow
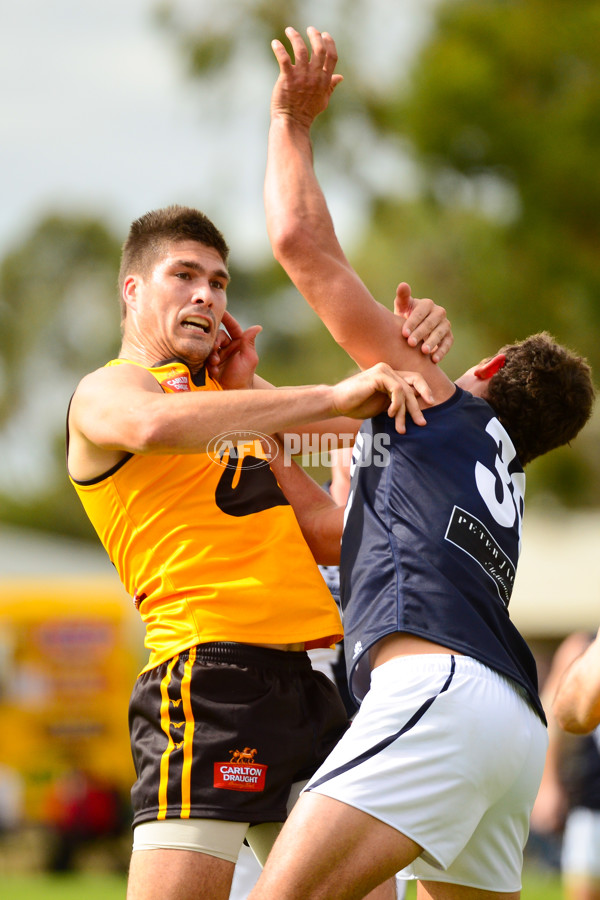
574	721
573	726
288	241
146	434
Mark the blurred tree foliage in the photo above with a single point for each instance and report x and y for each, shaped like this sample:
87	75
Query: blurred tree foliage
474	167
59	318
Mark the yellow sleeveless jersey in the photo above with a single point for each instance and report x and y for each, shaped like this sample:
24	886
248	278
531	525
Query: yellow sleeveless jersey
207	545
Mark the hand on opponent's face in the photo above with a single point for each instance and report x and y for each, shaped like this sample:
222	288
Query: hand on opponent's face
233	359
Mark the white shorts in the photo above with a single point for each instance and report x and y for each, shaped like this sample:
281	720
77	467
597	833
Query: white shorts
449	753
580	854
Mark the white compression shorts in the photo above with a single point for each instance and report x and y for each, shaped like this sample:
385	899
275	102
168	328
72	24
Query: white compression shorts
216	837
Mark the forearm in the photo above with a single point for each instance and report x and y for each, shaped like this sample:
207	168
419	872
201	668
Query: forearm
295	206
304	242
205	416
319	517
342	426
145	422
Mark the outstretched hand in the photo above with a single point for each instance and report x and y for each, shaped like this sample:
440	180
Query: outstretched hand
304	86
233	359
426	322
382	388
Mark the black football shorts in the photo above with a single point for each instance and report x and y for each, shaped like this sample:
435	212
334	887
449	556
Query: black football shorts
223	730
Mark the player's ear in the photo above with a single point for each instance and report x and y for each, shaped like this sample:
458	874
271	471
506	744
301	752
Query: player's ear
489	367
130	290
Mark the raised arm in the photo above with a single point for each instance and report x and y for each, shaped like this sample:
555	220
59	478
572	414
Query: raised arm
300	227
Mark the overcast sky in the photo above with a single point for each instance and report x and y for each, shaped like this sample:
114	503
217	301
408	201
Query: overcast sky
98	116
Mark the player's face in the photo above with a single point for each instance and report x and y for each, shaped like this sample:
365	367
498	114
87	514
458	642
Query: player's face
179	306
469	381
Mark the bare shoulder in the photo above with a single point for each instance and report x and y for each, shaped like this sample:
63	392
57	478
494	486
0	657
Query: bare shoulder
103	415
125	375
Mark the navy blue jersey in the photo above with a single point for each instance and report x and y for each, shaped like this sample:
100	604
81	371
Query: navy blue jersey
432	539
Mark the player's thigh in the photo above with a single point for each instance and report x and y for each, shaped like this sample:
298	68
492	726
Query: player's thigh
328	849
178	875
439	890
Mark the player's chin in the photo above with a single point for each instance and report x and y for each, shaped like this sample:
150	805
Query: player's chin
196	351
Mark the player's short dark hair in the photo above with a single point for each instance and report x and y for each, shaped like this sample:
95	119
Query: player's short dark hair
543	395
155	230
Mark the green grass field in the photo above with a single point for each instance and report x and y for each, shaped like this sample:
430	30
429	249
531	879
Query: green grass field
537	885
98	886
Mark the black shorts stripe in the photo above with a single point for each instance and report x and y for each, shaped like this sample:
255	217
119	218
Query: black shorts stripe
373	751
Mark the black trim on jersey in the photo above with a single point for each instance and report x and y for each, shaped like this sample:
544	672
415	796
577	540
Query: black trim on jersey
199	378
98	478
106	474
373	751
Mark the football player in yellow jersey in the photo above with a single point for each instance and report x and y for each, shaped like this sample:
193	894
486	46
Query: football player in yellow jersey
228	715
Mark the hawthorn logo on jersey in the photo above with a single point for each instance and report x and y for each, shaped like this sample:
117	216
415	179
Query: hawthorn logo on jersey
241	773
179	383
254	448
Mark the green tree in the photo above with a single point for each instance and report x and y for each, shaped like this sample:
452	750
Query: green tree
58	319
502	110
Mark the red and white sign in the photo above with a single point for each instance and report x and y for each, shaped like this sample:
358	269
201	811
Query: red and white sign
240	776
178	383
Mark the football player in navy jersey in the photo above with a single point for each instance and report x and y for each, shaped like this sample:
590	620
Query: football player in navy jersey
566	814
439	771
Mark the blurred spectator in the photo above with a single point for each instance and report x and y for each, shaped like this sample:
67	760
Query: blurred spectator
568	801
80	809
11	799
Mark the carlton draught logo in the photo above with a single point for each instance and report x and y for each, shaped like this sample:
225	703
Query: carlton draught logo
241	773
178	383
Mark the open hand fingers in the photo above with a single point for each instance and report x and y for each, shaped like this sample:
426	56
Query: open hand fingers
298	46
432	331
402	401
426	324
419	386
318	48
323	54
402	389
443	346
282	57
331	55
403	302
234	329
